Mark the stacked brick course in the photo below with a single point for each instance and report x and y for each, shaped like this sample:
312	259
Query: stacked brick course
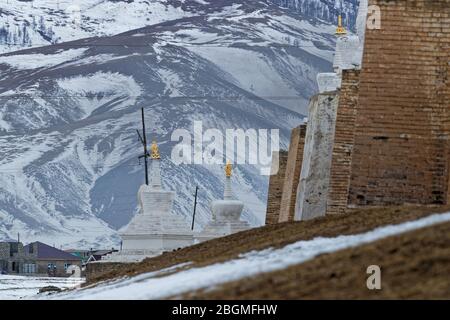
400	152
343	143
276	187
292	175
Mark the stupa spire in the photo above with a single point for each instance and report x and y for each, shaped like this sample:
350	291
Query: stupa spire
228	169
155	173
228	193
340	30
155	151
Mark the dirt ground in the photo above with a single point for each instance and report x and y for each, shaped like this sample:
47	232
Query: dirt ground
414	265
222	249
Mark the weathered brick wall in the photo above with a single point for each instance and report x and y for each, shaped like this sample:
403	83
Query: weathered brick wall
343	143
292	175
276	187
400	150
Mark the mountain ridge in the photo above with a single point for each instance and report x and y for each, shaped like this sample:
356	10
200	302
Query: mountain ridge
68	115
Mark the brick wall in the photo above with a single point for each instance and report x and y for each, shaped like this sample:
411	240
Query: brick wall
276	187
292	175
343	143
400	150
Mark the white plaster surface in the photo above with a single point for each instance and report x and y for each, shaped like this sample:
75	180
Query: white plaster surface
346	47
315	173
328	82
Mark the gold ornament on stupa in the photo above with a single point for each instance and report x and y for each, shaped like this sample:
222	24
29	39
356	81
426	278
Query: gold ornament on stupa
155	151
228	169
340	30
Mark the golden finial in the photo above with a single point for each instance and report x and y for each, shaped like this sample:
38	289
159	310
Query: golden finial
340	30
228	169
155	151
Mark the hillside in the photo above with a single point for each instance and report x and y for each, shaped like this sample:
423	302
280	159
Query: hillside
407	242
414	265
311	262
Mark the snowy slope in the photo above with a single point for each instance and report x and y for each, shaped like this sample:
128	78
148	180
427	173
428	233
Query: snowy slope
42	22
157	285
68	113
18	287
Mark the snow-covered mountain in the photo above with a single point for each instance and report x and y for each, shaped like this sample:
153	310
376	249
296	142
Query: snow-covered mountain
31	23
327	10
68	112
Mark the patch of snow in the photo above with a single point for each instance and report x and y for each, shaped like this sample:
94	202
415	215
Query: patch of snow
38	60
101	87
14	287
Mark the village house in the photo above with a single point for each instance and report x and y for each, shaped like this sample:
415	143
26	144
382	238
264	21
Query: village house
14	260
36	258
50	260
82	254
97	255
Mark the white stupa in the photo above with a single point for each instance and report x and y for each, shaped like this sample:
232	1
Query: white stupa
348	52
155	228
226	214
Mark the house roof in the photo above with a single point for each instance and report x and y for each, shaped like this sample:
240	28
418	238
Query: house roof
46	252
102	252
77	251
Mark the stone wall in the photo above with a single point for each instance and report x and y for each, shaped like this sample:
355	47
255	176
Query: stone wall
343	143
96	269
279	161
312	189
292	175
4	250
400	152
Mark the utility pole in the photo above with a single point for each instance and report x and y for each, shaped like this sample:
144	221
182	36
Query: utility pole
195	207
143	140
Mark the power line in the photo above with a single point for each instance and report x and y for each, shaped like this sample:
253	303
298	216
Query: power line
177	44
214	98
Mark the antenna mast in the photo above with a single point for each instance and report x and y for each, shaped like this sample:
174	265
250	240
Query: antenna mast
143	140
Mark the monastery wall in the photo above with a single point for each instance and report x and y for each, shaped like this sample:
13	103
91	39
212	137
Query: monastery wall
312	189
400	152
384	139
343	143
292	175
279	159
